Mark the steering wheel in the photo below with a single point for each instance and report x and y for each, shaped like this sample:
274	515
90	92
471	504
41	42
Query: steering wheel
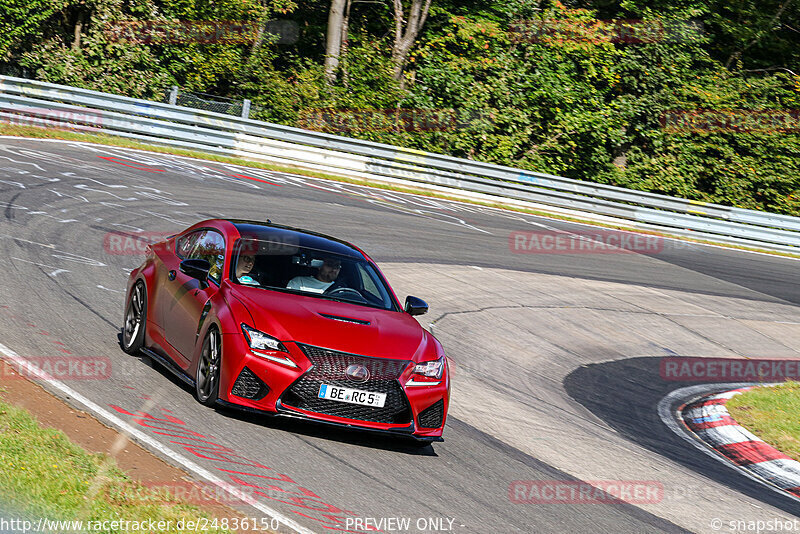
346	293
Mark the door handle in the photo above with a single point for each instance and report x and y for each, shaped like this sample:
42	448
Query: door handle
172	274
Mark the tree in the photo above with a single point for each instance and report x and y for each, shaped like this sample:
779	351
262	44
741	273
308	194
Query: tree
334	37
406	31
24	22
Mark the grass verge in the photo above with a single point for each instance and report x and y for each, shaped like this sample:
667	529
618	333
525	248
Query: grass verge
122	142
771	413
44	474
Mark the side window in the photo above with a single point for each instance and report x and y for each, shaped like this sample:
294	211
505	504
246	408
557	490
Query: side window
205	245
372	285
187	243
368	283
211	247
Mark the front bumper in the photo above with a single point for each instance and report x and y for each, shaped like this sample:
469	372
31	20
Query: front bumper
282	412
291	392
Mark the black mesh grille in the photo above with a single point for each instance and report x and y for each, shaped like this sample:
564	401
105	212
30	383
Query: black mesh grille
249	386
431	417
329	368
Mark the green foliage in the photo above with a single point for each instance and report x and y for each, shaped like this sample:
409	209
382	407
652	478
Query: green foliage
761	34
22	22
95	61
772	413
44	474
585	106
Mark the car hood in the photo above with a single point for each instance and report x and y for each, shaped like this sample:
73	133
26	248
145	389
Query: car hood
292	317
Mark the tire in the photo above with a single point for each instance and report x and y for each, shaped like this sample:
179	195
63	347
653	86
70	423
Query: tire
207	376
135	319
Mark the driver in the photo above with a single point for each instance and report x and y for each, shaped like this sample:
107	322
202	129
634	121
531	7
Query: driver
244	265
324	278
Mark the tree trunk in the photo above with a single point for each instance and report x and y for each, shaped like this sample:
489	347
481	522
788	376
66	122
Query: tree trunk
76	43
259	38
333	39
343	48
266	13
406	31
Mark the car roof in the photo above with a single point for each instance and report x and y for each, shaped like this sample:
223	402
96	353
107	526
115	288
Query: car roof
268	231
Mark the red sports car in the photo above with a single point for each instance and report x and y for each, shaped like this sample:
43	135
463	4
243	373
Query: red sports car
280	320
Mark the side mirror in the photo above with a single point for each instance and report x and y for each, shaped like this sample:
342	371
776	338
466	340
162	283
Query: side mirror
415	306
196	268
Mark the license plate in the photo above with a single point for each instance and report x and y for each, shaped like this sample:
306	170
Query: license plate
353	396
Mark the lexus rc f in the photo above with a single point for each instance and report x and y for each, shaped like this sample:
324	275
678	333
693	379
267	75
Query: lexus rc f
279	320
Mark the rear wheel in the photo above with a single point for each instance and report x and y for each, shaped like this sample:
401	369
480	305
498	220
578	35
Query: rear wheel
135	319
207	378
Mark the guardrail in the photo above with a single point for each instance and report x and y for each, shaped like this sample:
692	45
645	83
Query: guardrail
222	134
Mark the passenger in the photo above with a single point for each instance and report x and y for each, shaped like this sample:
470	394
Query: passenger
324	278
244	265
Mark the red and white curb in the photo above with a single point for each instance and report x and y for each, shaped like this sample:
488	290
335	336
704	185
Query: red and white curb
710	420
672	407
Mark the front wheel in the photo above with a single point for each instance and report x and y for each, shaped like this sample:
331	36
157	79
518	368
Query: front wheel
135	319
207	378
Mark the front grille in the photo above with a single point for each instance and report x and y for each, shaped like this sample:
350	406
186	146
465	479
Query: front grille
431	417
249	386
329	368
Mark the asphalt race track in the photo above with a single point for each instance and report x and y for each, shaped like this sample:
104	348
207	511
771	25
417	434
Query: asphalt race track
555	357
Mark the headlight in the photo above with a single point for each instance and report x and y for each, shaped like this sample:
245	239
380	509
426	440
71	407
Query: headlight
263	344
433	369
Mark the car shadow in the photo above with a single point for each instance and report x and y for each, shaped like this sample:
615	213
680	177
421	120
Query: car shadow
314	429
625	394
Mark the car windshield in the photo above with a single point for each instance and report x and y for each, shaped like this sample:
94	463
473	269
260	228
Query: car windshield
292	268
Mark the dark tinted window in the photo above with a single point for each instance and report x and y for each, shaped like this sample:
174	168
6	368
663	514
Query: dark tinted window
287	266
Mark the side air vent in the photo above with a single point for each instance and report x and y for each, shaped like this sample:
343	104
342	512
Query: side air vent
249	386
431	417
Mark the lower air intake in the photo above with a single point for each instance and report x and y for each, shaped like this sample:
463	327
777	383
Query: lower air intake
431	417
249	386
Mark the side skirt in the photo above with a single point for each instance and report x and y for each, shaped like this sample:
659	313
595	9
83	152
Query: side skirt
170	366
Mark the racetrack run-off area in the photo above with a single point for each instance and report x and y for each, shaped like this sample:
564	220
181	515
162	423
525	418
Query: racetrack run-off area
555	356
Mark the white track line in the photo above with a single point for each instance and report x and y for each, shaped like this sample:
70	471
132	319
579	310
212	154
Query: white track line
576	215
692	393
153	443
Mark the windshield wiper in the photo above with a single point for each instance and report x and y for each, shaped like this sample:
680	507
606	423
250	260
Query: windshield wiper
322	295
339	299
